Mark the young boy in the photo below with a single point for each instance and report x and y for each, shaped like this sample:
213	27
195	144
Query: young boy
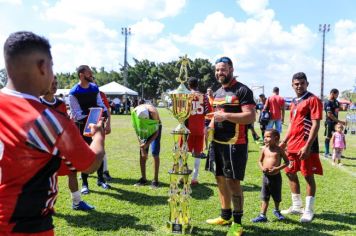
270	164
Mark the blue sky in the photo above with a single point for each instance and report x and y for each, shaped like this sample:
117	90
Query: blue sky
268	40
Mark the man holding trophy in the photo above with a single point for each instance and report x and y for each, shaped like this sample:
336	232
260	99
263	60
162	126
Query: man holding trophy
148	127
234	109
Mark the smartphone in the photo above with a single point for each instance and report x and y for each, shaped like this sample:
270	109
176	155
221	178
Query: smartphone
93	118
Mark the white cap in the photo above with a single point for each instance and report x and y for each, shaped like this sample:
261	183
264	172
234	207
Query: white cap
142	112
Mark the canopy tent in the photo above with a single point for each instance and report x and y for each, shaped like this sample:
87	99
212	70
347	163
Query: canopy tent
114	88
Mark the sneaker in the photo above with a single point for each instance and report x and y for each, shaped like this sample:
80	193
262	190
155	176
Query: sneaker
278	214
235	230
307	216
259	219
141	182
154	184
340	164
293	211
194	182
104	185
219	221
85	190
107	176
334	164
327	155
82	206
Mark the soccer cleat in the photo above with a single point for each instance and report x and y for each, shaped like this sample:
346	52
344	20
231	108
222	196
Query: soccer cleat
293	211
307	216
103	185
141	182
194	182
259	219
278	214
235	230
154	184
85	190
219	221
82	206
107	176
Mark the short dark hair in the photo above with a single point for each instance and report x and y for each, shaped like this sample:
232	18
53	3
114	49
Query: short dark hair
334	91
276	90
193	82
299	76
24	43
274	133
82	69
224	60
262	95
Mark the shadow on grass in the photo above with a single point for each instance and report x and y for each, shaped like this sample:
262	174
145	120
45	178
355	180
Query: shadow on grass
349	165
205	231
104	221
349	158
137	198
201	191
346	218
131	182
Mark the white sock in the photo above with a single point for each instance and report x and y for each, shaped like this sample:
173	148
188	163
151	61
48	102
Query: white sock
76	197
105	161
196	168
296	200
309	203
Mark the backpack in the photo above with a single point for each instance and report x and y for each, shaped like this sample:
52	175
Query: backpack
265	117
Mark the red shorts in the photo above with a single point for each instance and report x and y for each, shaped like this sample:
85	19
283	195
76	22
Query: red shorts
307	167
45	233
195	143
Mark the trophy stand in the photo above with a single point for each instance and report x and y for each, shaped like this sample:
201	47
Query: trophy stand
179	218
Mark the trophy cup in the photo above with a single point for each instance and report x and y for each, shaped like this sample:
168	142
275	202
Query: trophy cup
179	217
351	114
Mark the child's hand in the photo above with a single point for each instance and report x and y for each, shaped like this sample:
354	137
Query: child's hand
273	170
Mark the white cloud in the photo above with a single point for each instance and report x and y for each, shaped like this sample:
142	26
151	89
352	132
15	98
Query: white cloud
255	7
14	2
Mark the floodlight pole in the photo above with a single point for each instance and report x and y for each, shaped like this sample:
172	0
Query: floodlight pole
126	32
323	29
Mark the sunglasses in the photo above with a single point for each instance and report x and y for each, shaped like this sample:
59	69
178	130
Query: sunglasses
224	60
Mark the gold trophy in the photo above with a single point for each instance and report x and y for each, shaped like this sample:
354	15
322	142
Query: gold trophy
179	217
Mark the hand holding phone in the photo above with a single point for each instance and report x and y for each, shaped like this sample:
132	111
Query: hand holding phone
93	118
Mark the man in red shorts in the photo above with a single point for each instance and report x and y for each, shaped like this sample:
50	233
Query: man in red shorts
302	146
196	125
35	140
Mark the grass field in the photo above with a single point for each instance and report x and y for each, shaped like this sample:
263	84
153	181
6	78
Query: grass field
129	210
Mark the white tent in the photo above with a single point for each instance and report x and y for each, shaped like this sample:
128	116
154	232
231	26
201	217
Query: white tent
114	88
65	92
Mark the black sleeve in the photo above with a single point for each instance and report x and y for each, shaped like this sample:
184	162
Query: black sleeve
245	96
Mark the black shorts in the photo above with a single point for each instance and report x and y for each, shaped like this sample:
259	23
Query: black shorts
329	129
228	160
271	186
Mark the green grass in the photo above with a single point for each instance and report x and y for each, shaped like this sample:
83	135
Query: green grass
128	210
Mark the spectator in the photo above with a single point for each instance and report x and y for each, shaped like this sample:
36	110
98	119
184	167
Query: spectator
35	140
275	104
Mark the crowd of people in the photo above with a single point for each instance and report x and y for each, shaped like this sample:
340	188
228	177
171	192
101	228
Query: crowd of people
37	134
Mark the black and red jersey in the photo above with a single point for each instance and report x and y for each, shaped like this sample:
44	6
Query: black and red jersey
231	99
34	140
302	111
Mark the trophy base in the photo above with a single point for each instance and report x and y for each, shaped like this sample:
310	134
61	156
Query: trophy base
175	228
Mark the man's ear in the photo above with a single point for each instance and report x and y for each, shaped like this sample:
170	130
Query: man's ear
41	65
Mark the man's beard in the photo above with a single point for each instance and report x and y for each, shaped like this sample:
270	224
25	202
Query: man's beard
89	79
226	79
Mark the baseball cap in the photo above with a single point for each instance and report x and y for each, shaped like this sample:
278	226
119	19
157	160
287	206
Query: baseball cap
142	112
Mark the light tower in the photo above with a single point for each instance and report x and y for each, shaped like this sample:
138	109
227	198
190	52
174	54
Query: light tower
323	29
126	32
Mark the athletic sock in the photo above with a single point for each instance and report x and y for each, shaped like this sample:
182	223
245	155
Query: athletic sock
226	214
309	203
196	168
237	216
296	200
76	197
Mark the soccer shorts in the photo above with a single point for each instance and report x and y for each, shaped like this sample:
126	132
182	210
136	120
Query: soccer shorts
307	167
230	159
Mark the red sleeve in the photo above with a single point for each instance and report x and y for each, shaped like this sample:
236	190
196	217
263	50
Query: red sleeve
105	100
316	109
73	149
